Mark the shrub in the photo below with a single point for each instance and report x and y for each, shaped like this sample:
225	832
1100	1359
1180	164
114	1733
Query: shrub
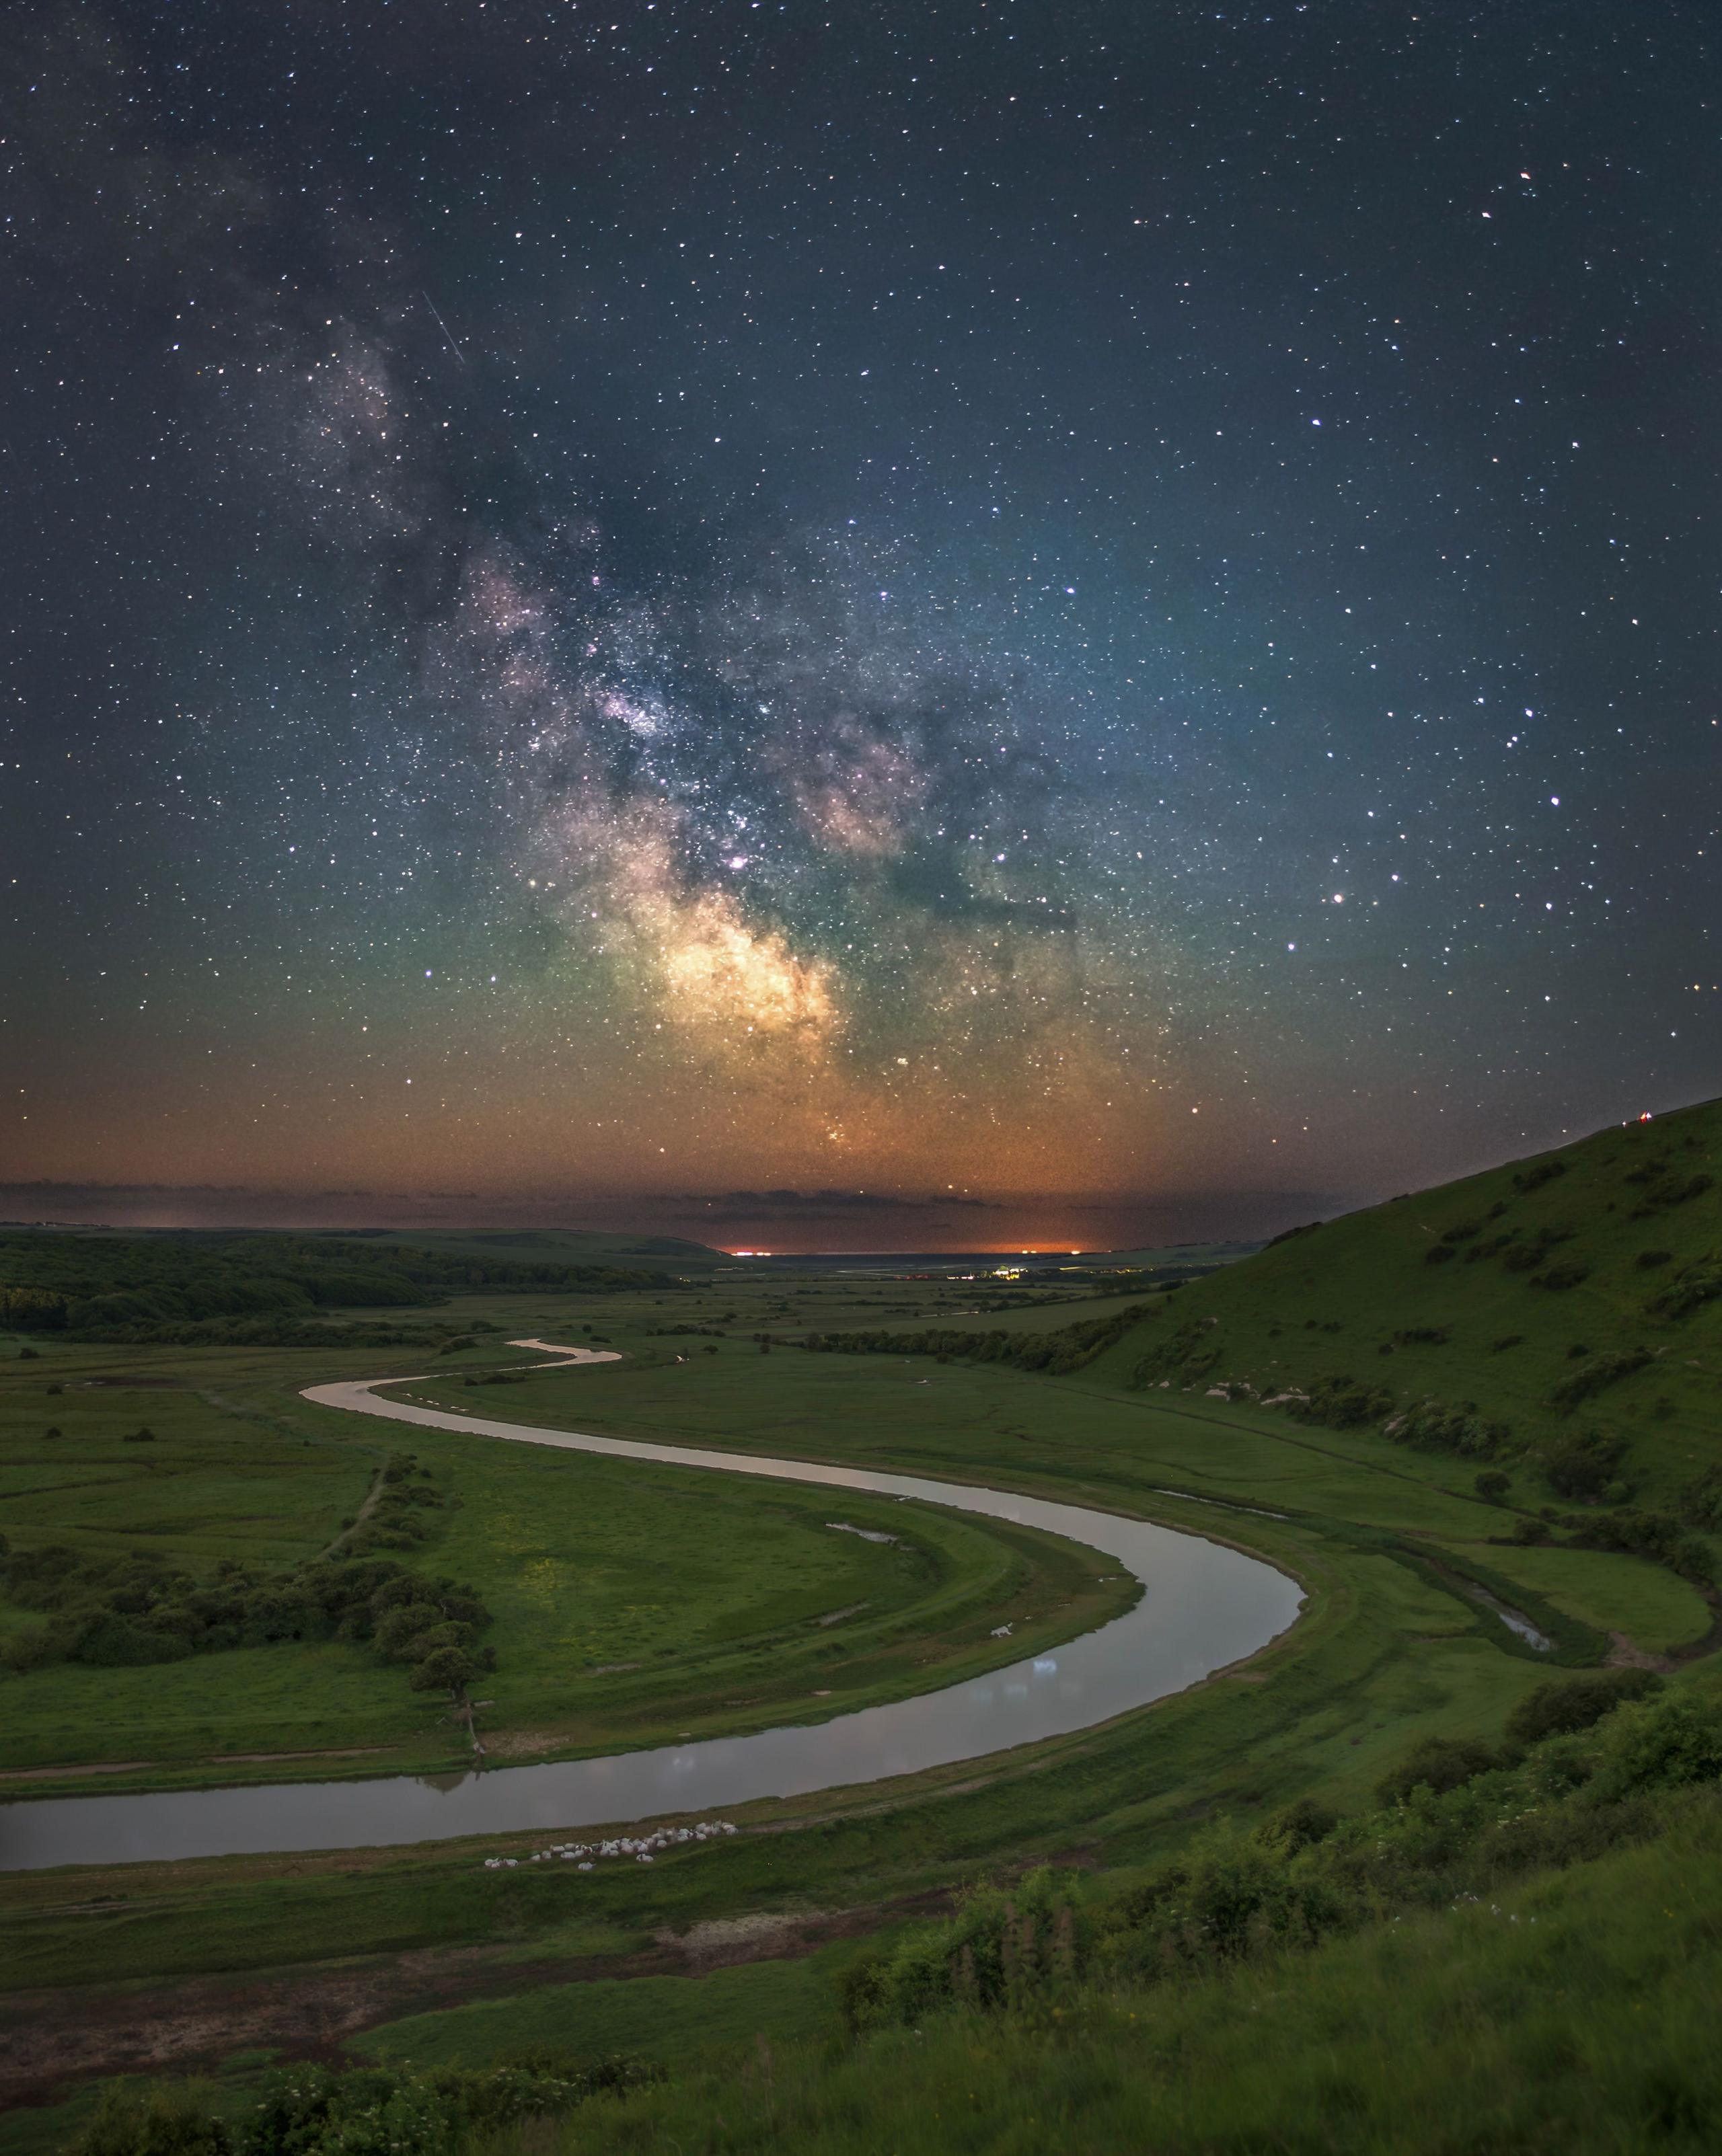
1521	1257
1437	1763
1599	1372
1560	1277
1299	1826
1493	1485
1701	1499
373	2110
1582	1465
1342	1403
116	1612
1651	1259
1434	1426
1533	1179
1439	1254
31	1648
1506	1341
1692	1287
114	1642
1003	1947
167	2120
447	1668
1577	1702
1659	1742
400	1629
1057	1354
1658	1535
1669	1193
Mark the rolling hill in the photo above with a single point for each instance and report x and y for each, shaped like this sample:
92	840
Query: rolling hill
1570	1298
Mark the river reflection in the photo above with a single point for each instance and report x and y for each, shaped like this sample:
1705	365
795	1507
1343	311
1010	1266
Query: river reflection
1203	1607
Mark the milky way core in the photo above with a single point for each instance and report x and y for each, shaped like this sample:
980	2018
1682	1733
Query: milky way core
901	627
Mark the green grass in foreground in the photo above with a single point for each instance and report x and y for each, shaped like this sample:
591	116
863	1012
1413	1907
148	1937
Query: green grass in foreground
1576	2014
671	2019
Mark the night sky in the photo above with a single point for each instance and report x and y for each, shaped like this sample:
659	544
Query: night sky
756	618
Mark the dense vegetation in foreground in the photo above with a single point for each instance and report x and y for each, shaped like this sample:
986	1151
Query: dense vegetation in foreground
1277	1986
1257	1930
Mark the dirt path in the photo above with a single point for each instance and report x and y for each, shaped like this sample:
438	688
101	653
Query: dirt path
48	2038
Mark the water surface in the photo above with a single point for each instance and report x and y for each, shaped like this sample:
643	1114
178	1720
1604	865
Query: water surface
1204	1606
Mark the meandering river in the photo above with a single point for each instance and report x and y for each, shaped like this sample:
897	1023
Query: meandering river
1203	1607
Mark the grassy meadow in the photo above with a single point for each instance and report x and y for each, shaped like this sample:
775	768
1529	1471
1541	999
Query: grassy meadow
632	1603
631	1606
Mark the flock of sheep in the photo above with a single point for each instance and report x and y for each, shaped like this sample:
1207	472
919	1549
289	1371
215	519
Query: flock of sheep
641	1848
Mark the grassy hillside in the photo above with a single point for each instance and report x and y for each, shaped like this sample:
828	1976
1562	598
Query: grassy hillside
1573	1293
1576	2014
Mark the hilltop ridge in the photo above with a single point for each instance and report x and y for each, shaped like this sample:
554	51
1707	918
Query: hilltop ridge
1577	1288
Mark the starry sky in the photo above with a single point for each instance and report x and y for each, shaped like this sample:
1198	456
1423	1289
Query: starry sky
871	625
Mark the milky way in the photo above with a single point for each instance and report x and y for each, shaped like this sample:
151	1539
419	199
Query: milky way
1108	615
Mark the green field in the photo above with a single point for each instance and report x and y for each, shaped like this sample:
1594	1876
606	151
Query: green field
631	1604
1577	2015
715	1590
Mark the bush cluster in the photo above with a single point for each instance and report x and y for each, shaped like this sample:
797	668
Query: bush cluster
130	1611
1666	1191
1701	1498
1342	1403
394	1518
1584	1465
1589	1764
1691	1287
1057	1354
1658	1535
1599	1372
1190	1353
1519	1253
1002	1947
1434	1425
361	2111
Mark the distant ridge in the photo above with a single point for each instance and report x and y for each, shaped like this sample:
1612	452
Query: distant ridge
566	1245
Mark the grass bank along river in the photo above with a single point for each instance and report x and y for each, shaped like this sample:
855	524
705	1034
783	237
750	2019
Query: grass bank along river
1204	1606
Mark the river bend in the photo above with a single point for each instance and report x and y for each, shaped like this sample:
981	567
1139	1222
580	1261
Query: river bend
1204	1606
